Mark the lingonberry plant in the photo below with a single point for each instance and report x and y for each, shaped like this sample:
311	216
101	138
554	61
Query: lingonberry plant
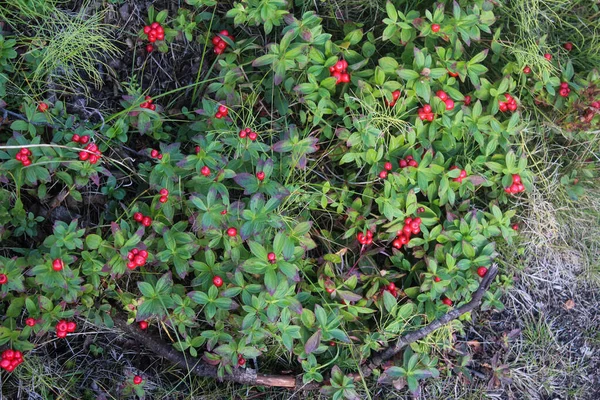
329	193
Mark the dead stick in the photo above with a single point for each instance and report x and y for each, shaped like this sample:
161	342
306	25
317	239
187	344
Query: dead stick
409	338
245	376
250	377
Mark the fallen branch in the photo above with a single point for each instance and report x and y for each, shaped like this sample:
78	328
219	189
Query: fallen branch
412	337
250	377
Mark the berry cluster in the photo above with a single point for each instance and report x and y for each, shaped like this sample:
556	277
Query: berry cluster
3	279
23	156
481	271
272	258
425	113
509	105
365	239
241	360
222	111
164	195
411	227
80	139
30	322
148	104
395	97
137	258
391	287
249	133
408	161
63	327
42	107
217	281
220	44
516	187
155	32
142	219
58	264
155	154
92	154
564	89
11	360
205	171
446	99
386	167
232	232
137	380
463	174
339	72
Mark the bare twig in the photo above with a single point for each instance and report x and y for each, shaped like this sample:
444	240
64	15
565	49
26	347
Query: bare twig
250	377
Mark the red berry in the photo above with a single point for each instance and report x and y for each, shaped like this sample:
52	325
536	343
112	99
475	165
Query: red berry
5	363
218	281
3	279
197	149
447	301
383	174
160	36
147	29
232	232
241	362
30	322
272	258
391	286
329	290
435	28
42	107
527	70
149	48
139	260
388	166
159	156
224	32
437	278
449	104
205	171
260	176
426	108
154	25
143	325
163	192
452	74
58	264
481	271
243	134
252	136
147	221
61	326
515	227
71	326
568	46
137	380
154	153
223	109
138	216
163	199
402	163
442	95
548	56
467	100
396	94
345	78
516	178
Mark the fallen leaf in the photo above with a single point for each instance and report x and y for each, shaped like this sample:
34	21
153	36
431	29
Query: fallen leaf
569	305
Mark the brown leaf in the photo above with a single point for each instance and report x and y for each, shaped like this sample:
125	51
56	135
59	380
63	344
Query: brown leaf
569	305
